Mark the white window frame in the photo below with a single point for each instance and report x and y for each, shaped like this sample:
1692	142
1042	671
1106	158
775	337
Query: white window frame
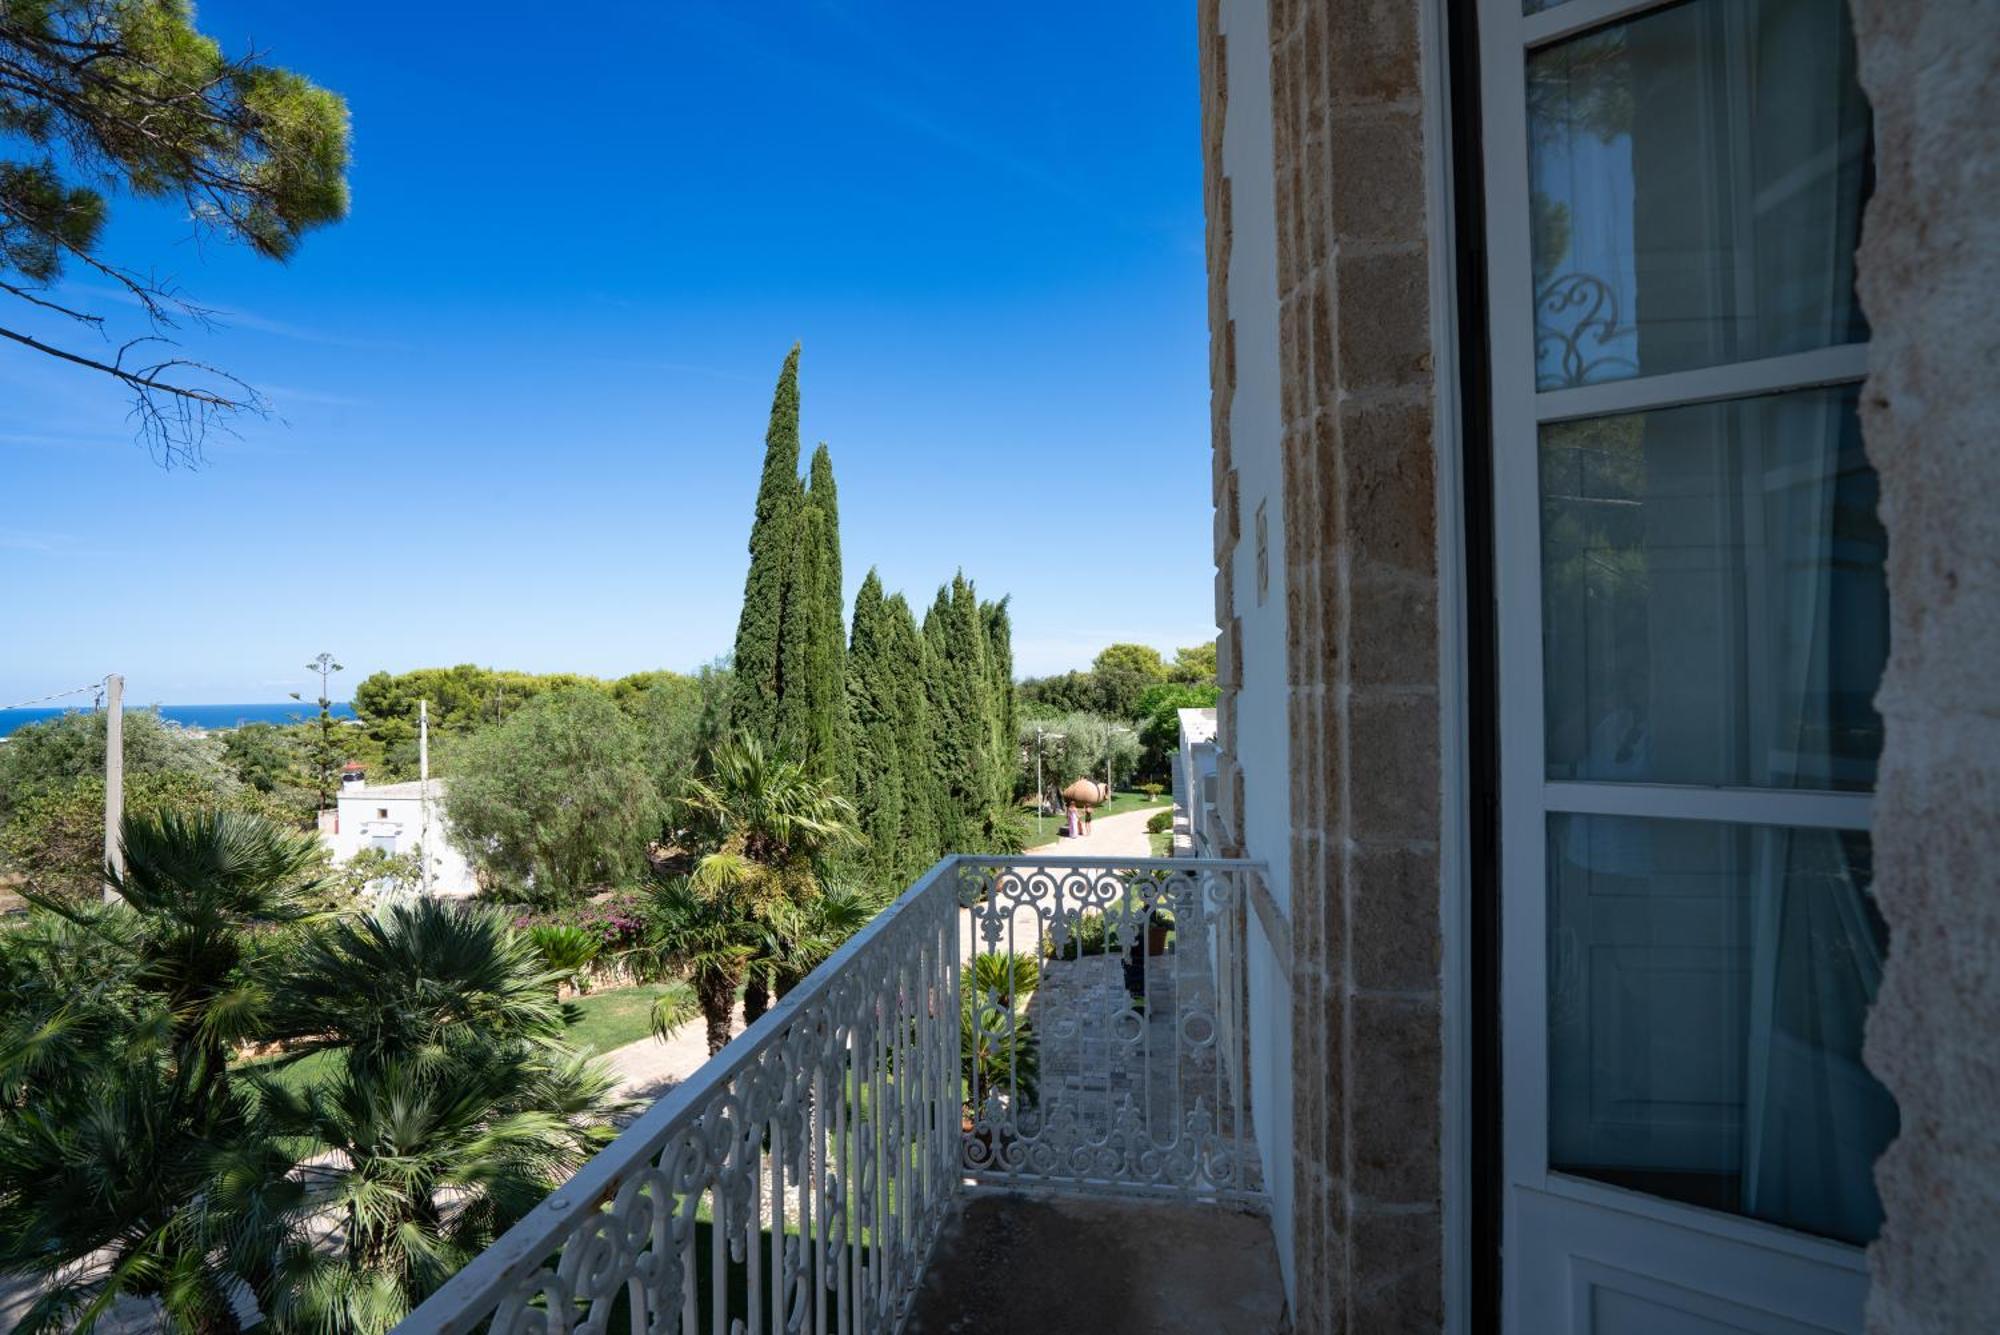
1527	797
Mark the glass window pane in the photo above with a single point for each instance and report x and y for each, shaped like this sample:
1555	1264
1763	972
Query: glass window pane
1713	603
1696	182
1707	985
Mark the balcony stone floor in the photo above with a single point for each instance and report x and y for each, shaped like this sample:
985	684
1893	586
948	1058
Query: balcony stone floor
1010	1263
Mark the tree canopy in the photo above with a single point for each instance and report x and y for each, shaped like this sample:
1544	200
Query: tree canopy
557	800
126	95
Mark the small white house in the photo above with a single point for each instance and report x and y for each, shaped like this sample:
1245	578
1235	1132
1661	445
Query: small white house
398	818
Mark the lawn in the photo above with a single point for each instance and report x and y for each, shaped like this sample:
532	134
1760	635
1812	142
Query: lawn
1131	799
307	1070
600	1020
612	1018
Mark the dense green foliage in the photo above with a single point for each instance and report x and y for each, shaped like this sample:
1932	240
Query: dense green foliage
46	755
812	701
961	700
765	829
1130	684
1078	746
125	95
52	791
557	800
875	698
1159	710
129	1135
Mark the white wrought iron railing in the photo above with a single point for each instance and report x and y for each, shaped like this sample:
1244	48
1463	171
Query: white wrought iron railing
797	1181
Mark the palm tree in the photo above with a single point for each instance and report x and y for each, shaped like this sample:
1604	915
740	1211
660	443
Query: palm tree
566	951
711	940
422	1163
455	1109
795	939
769	826
388	986
119	1084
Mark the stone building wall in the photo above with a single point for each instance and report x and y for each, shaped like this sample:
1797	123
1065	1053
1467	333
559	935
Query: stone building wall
1360	558
1929	269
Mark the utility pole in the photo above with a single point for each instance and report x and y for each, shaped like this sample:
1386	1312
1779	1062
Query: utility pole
114	780
424	789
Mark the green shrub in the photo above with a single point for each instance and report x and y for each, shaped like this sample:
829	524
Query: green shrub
1160	822
567	950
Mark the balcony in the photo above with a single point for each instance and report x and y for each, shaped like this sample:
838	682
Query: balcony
1014	1101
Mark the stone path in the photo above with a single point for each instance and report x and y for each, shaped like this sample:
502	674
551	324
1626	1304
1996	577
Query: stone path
649	1069
1120	836
1114	838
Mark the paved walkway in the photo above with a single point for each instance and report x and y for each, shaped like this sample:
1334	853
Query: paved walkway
1114	838
1120	836
649	1069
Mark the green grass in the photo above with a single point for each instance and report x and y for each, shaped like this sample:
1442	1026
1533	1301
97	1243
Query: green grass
612	1018
601	1020
1163	843
1131	799
310	1069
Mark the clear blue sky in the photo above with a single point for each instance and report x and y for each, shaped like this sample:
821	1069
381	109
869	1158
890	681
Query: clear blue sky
523	387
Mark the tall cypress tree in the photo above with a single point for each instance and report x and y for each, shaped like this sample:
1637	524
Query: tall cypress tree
1000	711
916	739
961	696
828	626
874	702
759	680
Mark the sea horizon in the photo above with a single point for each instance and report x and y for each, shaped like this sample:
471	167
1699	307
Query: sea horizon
212	718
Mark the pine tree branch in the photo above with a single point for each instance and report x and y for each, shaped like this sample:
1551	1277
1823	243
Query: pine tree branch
174	417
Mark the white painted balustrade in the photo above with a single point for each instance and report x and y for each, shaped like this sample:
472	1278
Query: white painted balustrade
1028	1022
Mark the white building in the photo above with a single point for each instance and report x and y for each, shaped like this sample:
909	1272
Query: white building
1194	776
392	818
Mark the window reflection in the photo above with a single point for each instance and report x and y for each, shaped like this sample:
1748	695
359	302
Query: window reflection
1707	986
1713	603
1696	183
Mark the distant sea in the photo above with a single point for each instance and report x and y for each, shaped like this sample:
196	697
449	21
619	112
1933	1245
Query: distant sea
194	716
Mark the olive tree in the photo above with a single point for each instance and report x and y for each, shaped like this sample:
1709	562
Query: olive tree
556	800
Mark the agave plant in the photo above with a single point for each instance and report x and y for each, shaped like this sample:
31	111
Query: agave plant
567	951
998	1055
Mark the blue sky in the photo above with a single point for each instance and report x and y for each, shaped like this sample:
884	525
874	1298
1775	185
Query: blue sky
523	388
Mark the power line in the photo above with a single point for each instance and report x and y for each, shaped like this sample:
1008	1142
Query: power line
92	688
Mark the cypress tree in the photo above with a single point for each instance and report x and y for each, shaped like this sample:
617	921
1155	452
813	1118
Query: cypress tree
759	678
874	704
812	639
961	696
1000	713
916	739
828	624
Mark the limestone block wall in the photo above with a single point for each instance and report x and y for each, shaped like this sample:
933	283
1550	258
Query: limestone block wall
1361	588
1929	270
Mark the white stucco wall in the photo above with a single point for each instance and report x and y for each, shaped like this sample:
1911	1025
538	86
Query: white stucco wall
1260	741
361	822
